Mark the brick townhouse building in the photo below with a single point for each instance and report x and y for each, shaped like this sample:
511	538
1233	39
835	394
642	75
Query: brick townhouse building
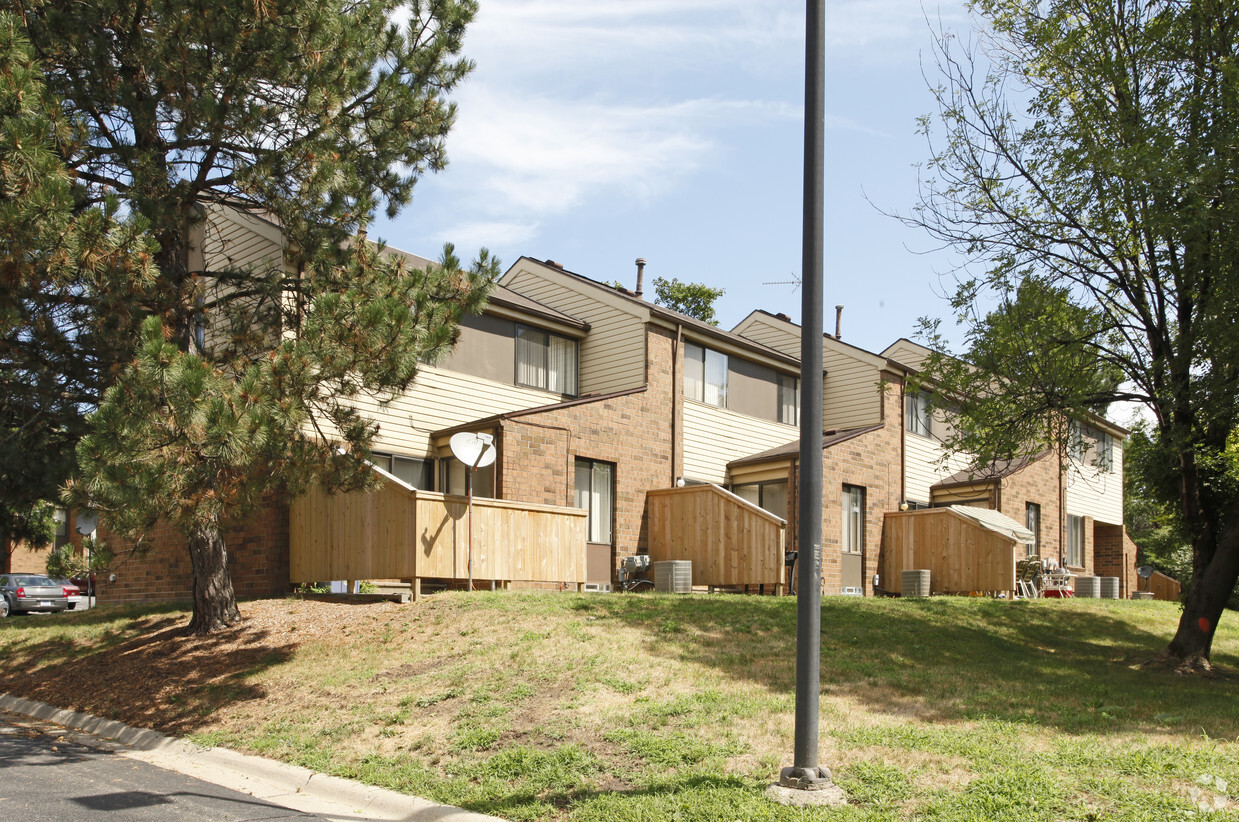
596	396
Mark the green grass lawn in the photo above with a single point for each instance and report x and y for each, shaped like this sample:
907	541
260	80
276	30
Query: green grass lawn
659	707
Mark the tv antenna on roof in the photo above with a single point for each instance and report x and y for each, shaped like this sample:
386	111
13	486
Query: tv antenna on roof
794	281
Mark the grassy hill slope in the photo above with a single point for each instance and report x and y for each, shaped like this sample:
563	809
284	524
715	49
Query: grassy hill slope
653	707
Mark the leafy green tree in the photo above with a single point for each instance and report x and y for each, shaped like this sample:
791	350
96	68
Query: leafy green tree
1083	163
67	275
1152	523
694	299
308	115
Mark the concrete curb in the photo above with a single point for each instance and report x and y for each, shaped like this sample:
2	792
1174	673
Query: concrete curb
287	785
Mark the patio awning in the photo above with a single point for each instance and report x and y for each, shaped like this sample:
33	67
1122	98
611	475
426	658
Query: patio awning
1000	523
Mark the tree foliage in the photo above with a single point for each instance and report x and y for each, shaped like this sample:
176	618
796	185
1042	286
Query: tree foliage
1152	523
694	299
1084	159
67	275
244	376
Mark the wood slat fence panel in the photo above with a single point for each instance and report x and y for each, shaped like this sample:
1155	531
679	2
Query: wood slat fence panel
730	541
1164	587
961	555
397	532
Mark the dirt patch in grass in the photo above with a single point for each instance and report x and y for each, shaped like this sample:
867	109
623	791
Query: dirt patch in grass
154	676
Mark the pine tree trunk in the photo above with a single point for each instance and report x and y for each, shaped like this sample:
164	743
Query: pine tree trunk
215	604
1210	588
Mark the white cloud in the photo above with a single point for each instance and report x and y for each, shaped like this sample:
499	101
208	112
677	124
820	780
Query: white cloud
537	155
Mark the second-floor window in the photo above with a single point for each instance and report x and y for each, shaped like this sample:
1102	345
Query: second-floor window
705	375
917	418
547	361
1089	446
789	399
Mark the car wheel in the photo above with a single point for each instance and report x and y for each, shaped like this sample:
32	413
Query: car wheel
4	607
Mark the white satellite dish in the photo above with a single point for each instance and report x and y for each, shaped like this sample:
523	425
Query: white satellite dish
474	450
86	522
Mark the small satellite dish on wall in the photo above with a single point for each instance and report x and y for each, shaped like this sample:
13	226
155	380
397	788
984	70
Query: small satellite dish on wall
1145	571
86	522
474	450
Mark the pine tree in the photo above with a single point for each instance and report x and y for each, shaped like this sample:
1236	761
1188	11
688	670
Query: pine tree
311	114
66	275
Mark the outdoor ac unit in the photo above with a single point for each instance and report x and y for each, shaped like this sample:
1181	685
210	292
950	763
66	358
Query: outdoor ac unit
673	576
1088	587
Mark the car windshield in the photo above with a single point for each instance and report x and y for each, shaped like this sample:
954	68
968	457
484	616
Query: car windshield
32	581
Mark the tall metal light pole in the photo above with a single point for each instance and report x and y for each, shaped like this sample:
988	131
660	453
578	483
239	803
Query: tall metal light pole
807	773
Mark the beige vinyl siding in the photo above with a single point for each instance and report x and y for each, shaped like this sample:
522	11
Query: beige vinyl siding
851	393
714	437
772	333
230	241
1097	494
761	472
240	242
923	466
907	353
442	399
612	355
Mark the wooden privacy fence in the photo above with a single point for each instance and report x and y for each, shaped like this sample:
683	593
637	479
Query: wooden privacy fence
1163	587
961	555
398	532
729	540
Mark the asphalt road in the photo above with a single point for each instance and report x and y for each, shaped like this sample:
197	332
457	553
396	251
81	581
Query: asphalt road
44	774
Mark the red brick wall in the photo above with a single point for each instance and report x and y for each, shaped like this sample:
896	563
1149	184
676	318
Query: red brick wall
870	461
1114	555
1036	482
26	560
538	452
257	561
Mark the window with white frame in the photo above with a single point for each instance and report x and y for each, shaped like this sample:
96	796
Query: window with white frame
595	492
853	519
1105	452
545	360
1077	441
789	399
705	375
917	417
1075	541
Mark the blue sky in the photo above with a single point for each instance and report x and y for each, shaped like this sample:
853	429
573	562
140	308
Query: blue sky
593	133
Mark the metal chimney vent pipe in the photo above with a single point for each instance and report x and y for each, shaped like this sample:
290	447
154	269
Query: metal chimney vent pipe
640	276
838	322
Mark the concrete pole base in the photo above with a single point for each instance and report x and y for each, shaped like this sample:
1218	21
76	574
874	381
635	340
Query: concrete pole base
806	787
